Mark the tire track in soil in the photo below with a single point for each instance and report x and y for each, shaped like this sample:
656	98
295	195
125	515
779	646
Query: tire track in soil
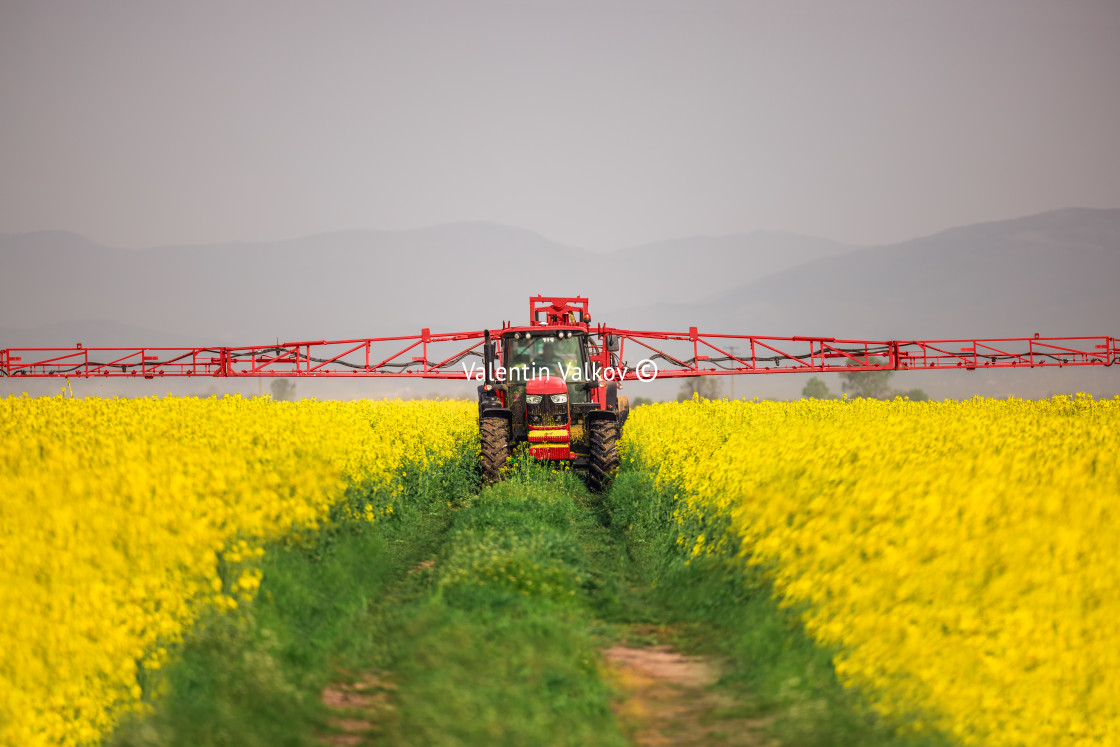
358	707
667	699
361	709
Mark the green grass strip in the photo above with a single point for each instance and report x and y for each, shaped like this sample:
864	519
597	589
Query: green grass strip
499	650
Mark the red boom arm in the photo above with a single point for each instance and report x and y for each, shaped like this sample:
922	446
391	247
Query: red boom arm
459	356
697	354
375	356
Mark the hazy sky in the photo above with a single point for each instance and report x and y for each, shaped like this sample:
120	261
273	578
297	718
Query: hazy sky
599	124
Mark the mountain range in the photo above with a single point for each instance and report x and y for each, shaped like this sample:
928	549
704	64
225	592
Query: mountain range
1053	273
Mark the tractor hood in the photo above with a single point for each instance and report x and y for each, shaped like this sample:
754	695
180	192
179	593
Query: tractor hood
546	385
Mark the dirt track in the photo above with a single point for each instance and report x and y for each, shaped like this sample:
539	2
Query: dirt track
666	699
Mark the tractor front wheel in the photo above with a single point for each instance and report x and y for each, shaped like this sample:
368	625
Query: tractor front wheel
494	437
604	454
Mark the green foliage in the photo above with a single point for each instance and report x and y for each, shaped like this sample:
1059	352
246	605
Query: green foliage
488	677
870	385
816	389
639	401
283	390
500	653
252	678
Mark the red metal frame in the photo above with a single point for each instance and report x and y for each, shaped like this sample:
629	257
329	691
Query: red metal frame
558	310
698	354
374	356
674	354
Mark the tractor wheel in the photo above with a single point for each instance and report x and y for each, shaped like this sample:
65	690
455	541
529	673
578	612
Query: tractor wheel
604	454
494	437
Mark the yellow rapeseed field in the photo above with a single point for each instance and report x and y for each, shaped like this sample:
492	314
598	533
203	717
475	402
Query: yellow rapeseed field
960	556
121	519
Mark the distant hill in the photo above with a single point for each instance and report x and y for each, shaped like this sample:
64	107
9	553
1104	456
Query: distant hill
687	270
353	284
1053	273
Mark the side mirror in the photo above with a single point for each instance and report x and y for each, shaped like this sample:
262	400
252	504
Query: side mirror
612	343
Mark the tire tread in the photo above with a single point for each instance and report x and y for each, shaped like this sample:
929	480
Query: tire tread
494	436
603	462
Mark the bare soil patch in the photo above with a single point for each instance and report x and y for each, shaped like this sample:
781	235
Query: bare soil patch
423	565
667	699
359	707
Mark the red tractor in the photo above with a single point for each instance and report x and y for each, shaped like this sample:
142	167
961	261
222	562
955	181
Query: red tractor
555	386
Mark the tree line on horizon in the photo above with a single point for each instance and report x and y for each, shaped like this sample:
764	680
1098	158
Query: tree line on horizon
853	384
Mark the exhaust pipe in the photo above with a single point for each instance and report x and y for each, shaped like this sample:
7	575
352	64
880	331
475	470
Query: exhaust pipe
487	359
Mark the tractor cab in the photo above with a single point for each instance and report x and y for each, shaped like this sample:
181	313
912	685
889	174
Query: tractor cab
547	353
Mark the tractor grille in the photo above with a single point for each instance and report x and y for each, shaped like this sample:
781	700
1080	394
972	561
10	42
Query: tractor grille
547	414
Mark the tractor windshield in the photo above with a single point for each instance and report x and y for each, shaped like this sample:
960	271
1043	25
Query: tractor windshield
535	355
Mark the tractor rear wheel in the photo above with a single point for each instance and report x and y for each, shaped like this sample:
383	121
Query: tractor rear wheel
603	457
494	437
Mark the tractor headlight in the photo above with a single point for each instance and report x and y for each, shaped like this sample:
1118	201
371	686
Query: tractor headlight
559	399
533	399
